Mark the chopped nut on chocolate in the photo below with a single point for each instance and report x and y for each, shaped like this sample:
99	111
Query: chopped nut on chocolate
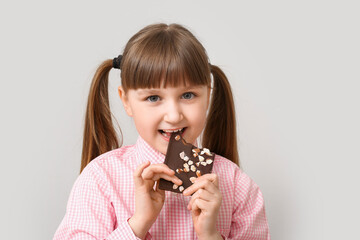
175	186
181	188
207	151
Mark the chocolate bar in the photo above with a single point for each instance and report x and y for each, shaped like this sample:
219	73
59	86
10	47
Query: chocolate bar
189	162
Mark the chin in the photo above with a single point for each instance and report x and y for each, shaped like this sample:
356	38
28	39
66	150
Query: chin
162	148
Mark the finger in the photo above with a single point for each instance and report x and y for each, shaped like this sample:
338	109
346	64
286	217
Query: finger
201	194
212	177
139	170
162	192
157	168
201	183
173	179
199	204
156	171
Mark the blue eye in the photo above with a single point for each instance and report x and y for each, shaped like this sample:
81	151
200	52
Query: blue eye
188	95
153	98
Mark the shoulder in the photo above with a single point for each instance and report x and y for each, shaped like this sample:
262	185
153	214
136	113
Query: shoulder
231	173
110	164
223	163
236	183
225	168
113	157
104	171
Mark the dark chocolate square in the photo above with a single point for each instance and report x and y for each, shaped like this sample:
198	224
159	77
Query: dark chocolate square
187	161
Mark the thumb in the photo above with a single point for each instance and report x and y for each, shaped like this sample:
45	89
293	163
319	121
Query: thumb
195	214
138	180
157	189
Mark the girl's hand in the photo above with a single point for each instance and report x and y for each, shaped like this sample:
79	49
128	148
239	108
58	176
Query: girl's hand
149	201
205	205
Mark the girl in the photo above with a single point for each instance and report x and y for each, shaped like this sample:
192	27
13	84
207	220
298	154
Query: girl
165	87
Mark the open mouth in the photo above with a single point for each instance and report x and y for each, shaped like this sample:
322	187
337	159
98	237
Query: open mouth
167	133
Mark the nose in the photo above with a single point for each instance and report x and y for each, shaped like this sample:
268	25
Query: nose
173	113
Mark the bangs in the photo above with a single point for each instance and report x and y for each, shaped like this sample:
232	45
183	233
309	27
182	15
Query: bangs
167	58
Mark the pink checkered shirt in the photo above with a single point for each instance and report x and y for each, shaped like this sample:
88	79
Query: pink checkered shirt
102	200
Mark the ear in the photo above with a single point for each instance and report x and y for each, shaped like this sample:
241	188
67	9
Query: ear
125	101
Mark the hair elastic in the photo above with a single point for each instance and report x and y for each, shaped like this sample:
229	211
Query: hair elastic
117	62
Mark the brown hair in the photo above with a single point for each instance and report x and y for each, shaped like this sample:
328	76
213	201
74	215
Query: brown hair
161	55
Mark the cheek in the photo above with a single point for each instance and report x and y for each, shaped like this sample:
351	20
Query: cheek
202	119
145	121
141	113
199	117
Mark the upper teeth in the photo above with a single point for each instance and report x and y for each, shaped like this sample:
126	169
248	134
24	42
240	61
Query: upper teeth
170	131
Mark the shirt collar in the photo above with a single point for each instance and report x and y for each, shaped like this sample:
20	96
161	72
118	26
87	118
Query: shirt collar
145	152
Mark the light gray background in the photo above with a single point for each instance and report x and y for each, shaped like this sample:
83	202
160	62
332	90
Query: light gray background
293	66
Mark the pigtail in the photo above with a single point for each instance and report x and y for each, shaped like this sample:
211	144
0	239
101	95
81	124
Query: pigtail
99	133
220	130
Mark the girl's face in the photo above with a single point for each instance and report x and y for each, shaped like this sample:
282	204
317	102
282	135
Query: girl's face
157	112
